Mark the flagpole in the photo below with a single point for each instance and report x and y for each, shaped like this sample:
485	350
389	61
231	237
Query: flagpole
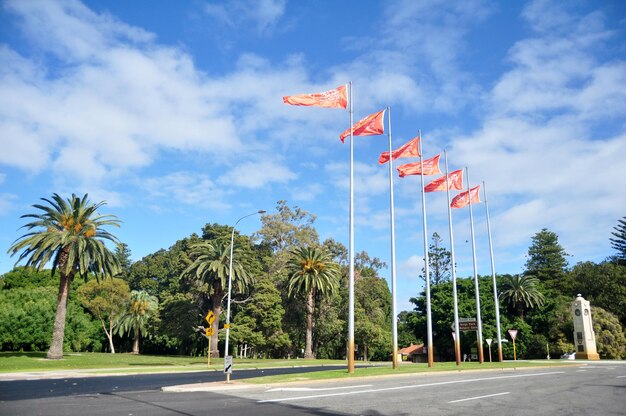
479	332
429	321
457	338
394	312
493	276
351	248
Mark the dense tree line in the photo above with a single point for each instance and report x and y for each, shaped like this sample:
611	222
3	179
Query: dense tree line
289	297
536	302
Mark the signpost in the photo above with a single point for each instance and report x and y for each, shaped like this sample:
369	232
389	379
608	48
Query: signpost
468	324
210	318
228	365
488	340
513	334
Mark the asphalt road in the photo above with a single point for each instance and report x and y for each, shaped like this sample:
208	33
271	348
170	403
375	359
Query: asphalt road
580	389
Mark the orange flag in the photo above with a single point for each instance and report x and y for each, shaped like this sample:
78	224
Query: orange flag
337	98
431	167
455	179
409	149
369	126
462	199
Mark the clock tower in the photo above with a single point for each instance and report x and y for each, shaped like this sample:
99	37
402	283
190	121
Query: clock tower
584	337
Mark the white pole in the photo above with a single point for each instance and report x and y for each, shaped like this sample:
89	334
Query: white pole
394	311
351	248
457	339
429	318
479	333
493	277
230	281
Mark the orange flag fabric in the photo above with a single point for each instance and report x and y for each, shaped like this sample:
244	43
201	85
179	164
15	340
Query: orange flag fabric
454	178
369	126
431	167
409	149
337	98
463	199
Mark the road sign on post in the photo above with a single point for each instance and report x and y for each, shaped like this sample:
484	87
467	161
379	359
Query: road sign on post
210	317
488	340
228	365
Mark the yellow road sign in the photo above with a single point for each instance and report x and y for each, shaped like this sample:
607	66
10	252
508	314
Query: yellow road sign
210	317
209	331
226	326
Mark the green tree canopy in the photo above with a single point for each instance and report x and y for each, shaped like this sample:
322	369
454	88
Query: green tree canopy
619	242
142	308
547	262
107	300
70	235
312	273
521	293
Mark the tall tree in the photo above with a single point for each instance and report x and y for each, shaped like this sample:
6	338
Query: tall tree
107	300
521	293
619	242
210	266
141	309
122	253
312	273
439	262
547	262
69	234
285	230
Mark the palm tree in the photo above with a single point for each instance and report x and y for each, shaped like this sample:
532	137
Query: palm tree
312	272
69	234
141	309
211	267
521	293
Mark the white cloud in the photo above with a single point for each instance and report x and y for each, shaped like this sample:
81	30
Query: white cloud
264	14
253	175
411	268
187	188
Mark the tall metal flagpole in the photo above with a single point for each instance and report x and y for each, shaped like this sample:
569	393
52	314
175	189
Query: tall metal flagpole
429	319
493	276
479	332
351	248
394	312
457	336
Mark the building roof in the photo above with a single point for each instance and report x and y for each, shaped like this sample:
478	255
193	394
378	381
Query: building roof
412	349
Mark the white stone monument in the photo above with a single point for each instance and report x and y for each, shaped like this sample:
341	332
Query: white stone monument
584	337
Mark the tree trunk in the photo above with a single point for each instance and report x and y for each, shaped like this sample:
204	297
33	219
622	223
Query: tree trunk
310	308
217	309
58	334
136	341
110	336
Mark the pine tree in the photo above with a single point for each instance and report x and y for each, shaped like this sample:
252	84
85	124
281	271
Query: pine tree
547	262
439	262
619	242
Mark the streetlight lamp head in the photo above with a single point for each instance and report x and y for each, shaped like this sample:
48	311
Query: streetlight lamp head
261	211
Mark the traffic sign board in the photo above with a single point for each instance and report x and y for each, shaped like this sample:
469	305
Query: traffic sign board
228	364
468	325
513	333
209	331
210	317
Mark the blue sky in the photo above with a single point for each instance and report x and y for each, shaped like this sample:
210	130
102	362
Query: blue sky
172	113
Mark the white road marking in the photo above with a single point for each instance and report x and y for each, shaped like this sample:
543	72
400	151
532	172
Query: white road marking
580	371
620	376
313	389
479	397
442	383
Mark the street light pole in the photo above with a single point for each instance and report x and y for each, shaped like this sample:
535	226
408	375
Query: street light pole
230	281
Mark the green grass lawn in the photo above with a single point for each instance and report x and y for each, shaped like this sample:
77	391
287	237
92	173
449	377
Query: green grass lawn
405	368
129	363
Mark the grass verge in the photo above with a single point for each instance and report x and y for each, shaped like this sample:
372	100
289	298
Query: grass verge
15	362
382	370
